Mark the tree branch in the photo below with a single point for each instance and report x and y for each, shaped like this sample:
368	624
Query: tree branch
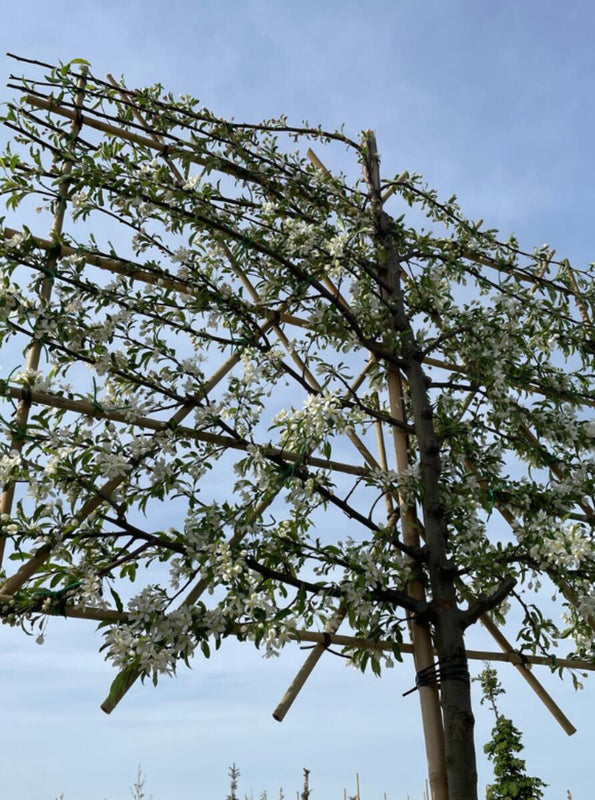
485	603
393	596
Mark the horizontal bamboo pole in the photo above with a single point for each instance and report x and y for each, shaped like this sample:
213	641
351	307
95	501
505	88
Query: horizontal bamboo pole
169	150
7	605
358	643
100	496
88	409
131	270
54	105
338	640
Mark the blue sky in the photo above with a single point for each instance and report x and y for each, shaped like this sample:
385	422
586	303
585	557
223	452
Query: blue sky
492	101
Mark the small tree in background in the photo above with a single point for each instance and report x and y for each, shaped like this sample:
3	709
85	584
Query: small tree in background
331	399
512	781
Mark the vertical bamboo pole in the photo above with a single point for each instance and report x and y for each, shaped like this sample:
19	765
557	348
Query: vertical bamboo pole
34	352
421	640
420	633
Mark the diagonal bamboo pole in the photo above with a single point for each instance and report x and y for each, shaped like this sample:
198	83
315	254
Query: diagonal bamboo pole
353	437
487	621
119	689
34	353
356	440
420	633
331	627
507	647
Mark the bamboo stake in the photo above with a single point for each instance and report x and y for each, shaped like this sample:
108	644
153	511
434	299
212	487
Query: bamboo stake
353	437
23	574
180	150
305	672
119	690
88	409
331	627
34	351
549	703
420	633
513	657
51	104
131	270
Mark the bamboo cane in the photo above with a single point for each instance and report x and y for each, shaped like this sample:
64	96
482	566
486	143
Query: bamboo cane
420	633
34	352
305	672
88	409
131	270
513	657
353	437
195	593
549	703
51	104
308	666
13	583
118	689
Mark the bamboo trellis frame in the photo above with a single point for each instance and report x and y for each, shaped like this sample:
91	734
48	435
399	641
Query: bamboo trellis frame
273	321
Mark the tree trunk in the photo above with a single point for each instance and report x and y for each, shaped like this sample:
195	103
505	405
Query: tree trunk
447	618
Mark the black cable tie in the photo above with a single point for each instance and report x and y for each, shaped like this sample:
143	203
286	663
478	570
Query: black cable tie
451	668
523	657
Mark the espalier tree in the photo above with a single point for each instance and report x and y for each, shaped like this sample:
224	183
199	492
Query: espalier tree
265	395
